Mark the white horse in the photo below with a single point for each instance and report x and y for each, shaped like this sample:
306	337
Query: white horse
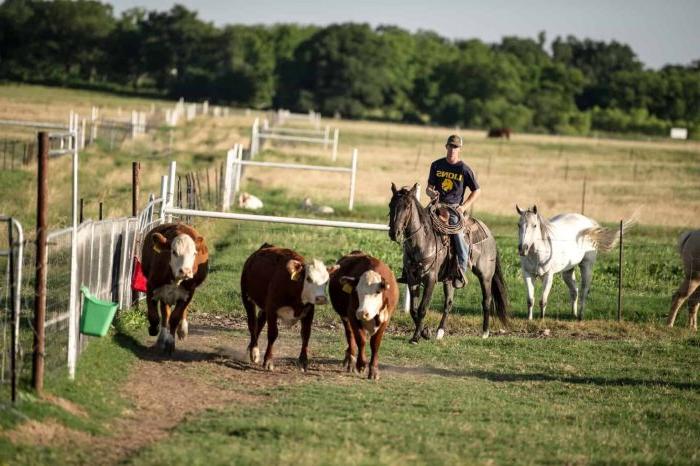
558	245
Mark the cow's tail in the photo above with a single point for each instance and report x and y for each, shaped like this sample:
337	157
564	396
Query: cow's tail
605	239
499	292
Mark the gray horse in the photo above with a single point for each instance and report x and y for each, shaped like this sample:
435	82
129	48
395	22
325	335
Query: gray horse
424	259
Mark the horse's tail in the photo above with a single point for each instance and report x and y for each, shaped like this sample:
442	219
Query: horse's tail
499	292
605	239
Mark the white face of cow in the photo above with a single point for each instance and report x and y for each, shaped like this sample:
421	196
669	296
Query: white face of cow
370	295
182	255
314	291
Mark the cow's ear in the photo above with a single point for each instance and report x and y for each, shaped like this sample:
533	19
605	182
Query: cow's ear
383	285
160	242
295	268
198	243
332	269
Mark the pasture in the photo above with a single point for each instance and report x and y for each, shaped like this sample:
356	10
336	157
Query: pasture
552	391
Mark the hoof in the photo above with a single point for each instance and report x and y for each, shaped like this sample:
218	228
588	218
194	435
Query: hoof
254	354
348	363
360	369
413	341
425	333
303	364
485	334
440	334
153	330
268	366
182	330
373	374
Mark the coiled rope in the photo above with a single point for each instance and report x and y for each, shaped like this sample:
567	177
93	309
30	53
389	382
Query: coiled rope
444	227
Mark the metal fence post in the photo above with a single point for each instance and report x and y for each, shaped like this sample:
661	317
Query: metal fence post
40	281
335	144
353	175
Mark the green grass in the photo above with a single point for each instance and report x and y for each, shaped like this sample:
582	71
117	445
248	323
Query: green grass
466	400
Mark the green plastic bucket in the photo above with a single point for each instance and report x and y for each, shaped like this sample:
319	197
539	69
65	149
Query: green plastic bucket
97	314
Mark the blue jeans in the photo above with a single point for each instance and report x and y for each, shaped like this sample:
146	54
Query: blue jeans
460	245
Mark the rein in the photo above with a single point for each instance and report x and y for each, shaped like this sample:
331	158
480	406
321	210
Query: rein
424	268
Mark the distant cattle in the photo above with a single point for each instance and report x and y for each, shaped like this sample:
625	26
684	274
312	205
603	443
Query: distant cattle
499	133
283	285
175	262
364	293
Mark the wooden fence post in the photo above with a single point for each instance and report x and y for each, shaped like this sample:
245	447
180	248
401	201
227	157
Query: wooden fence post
619	280
40	274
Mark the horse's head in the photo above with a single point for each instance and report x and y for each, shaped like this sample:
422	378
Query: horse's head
531	228
400	210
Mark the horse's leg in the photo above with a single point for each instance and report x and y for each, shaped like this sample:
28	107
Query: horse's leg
414	295
569	277
547	280
428	285
449	292
686	289
485	281
693	315
586	277
530	287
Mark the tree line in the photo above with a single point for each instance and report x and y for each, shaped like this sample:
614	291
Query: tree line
573	86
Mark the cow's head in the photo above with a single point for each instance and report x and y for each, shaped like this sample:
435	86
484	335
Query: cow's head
370	293
183	251
315	276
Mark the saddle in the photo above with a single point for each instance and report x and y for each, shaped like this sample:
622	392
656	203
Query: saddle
473	231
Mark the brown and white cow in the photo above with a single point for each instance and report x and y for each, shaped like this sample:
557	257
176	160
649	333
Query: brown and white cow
283	285
175	262
364	292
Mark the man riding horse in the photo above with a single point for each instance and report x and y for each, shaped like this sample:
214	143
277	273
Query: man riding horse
448	180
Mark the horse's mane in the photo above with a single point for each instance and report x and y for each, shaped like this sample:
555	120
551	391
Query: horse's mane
545	226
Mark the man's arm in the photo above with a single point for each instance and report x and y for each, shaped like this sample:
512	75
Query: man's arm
473	196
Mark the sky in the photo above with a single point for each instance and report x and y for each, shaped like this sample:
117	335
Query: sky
660	32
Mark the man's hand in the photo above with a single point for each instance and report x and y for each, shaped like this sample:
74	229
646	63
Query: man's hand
432	192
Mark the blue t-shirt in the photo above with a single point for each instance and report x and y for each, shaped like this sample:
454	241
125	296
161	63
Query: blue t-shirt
450	180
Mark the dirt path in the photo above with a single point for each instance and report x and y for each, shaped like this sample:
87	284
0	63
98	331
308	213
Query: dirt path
209	370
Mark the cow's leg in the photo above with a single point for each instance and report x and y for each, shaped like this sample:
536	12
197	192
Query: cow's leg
351	350
449	293
686	289
547	280
272	333
586	267
153	319
428	286
530	288
569	277
374	343
178	319
306	322
165	338
253	351
361	339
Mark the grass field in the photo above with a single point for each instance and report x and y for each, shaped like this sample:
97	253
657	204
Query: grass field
553	391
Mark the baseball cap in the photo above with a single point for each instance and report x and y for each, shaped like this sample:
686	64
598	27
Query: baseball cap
454	140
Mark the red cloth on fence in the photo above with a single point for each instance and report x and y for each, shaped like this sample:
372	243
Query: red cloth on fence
138	279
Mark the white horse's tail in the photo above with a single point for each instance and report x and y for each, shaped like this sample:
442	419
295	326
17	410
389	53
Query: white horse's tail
605	239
